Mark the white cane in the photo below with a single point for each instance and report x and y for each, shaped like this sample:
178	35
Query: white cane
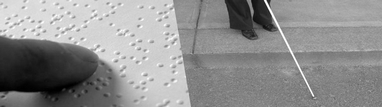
290	50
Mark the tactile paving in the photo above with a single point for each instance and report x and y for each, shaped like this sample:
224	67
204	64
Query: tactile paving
141	64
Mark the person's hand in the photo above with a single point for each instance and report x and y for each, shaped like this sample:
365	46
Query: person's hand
38	65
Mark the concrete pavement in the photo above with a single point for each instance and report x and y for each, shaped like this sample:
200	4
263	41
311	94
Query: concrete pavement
337	43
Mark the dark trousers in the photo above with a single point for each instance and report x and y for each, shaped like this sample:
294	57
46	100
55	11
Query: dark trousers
240	14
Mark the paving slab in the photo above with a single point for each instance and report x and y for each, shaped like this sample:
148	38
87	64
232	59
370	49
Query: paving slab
303	13
334	86
187	13
302	39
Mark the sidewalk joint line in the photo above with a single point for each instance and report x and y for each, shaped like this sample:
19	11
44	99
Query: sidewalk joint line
197	26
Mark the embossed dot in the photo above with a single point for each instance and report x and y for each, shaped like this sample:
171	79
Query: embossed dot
150	79
174	80
75	5
130	82
24	7
120	4
173	66
98	88
160	65
150	41
180	102
112	24
87	5
152	7
138	62
139	26
167	25
141	7
167	84
141	19
123	75
84	91
159	19
105	84
115	60
107	94
146	51
122	57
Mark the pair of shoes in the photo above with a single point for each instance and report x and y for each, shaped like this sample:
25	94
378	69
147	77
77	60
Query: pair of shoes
270	27
249	34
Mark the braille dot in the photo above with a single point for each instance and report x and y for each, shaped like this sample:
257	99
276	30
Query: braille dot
165	17
83	39
122	57
115	60
108	3
75	4
98	88
174	72
72	16
68	12
122	75
42	1
150	79
23	7
145	58
173	66
103	50
144	89
87	5
139	26
180	102
140	19
179	62
143	82
140	7
150	41
159	19
84	91
167	46
105	15
120	4
152	7
160	65
136	101
167	84
131	34
15	15
146	51
71	90
132	58
77	95
138	48
138	62
105	84
54	99
111	24
61	7
107	95
136	86
119	95
167	25
113	7
130	82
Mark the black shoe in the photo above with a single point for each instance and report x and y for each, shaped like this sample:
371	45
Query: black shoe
270	27
249	34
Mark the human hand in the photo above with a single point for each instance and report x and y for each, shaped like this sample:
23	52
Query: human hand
38	65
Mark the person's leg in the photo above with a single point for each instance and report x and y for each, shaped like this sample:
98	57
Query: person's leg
239	14
261	13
